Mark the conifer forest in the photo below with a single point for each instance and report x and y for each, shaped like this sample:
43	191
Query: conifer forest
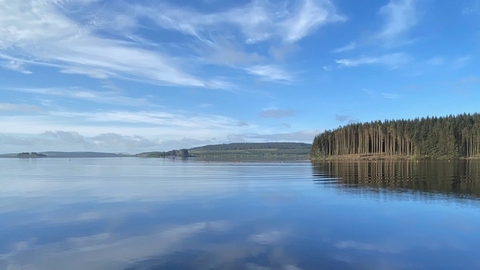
429	137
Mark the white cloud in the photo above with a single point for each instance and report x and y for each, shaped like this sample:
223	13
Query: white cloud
271	73
268	237
348	47
258	21
169	125
104	97
393	60
280	53
70	36
150	139
15	66
10	107
39	32
106	250
230	54
400	16
63	136
242	124
436	61
309	15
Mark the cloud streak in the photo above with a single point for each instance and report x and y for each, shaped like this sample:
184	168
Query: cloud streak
39	32
393	61
10	107
400	16
271	73
258	21
102	97
70	36
348	47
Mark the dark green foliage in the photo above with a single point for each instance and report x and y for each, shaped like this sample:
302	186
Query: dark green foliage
253	151
30	155
433	137
174	153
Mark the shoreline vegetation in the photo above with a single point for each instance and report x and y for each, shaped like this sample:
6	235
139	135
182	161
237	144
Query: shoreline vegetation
219	152
443	138
31	155
239	151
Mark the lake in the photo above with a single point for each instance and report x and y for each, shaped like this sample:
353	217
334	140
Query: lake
133	213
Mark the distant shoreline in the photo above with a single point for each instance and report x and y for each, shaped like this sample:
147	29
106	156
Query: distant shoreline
218	152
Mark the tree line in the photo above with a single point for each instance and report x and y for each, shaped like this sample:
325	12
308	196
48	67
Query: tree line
433	137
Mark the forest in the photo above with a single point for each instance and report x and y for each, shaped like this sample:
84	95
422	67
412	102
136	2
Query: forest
426	137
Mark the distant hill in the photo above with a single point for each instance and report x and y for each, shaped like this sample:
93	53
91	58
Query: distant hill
255	151
31	155
231	151
52	154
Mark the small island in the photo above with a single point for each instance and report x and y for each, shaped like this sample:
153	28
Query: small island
449	137
31	155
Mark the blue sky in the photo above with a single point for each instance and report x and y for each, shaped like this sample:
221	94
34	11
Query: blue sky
132	76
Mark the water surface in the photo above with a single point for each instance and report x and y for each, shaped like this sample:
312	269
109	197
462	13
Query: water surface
131	213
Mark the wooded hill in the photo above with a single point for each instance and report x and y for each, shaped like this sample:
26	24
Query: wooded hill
253	151
430	137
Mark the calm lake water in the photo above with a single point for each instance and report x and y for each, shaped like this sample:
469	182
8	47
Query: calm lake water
129	213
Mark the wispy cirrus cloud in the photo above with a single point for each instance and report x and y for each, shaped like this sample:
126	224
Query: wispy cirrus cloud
103	97
281	24
39	32
309	15
11	107
400	16
257	21
392	61
103	41
271	73
15	66
348	47
167	125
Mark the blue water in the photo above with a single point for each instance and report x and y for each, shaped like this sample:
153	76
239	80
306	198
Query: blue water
132	213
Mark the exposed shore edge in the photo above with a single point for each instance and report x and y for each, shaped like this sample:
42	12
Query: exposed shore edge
375	157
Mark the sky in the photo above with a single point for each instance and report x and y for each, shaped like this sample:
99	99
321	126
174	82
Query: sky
133	76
